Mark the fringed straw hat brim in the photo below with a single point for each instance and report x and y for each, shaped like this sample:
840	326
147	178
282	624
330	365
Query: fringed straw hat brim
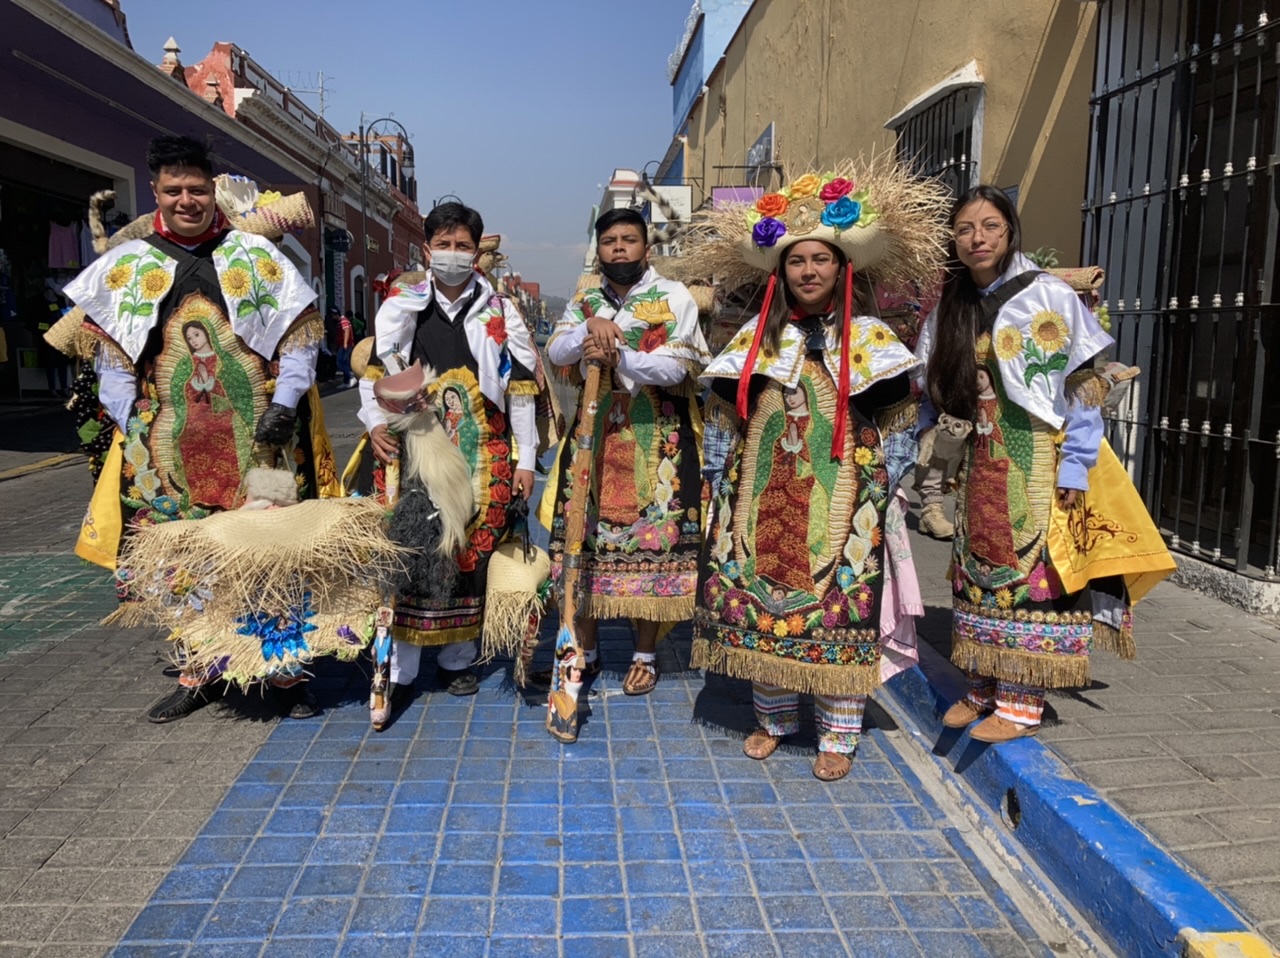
904	244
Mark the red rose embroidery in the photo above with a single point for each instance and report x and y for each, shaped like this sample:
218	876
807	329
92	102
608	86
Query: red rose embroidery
468	560
497	422
653	337
483	540
500	492
496	517
502	469
497	328
498	448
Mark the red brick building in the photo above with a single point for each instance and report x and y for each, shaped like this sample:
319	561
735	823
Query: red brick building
330	256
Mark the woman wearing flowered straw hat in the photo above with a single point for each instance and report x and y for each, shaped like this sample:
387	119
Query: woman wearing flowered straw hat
807	584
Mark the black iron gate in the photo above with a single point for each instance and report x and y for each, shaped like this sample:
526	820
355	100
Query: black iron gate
1181	210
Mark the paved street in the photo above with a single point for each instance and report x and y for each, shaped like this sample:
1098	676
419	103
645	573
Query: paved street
464	830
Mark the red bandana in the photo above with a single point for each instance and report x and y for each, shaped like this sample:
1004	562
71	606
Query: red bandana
218	226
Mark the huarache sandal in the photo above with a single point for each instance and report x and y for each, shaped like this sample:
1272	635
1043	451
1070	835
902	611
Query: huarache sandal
642	678
832	766
760	745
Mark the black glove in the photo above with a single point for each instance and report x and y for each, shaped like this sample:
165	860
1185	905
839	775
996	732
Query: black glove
276	425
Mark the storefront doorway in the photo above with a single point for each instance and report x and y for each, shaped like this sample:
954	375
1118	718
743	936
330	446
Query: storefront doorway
44	243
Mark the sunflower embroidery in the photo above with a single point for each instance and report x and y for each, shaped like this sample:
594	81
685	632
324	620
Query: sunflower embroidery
154	283
860	359
269	270
140	279
118	277
247	273
236	282
1049	330
1008	343
878	337
1045	349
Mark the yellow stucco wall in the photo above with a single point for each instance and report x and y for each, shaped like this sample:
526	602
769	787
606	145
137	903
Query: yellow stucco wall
830	73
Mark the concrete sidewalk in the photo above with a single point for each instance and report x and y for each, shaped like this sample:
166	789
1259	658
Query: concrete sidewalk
1185	740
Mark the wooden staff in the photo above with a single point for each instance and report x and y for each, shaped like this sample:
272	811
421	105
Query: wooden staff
383	620
562	708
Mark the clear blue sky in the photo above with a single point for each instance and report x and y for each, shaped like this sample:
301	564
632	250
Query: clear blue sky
520	107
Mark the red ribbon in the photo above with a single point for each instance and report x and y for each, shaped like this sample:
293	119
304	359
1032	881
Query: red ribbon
842	390
744	382
218	225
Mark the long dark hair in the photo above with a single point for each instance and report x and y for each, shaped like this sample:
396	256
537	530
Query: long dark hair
952	377
783	302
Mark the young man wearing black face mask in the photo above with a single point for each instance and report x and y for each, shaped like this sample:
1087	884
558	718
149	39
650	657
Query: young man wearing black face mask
643	515
452	321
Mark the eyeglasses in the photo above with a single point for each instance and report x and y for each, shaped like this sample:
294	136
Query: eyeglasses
991	229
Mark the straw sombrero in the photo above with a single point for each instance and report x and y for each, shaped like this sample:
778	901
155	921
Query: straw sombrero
360	357
245	206
514	602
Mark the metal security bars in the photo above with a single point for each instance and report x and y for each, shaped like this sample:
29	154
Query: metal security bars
939	139
1181	210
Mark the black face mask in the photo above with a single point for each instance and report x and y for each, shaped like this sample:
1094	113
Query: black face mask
624	274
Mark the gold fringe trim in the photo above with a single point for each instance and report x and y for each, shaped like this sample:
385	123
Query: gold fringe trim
1025	668
522	387
798	676
1119	641
67	338
506	621
1087	388
307	330
265	559
205	646
406	280
464	633
899	417
663	609
720	413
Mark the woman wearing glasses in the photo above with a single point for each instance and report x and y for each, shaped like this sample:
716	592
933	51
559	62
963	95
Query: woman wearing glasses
1003	348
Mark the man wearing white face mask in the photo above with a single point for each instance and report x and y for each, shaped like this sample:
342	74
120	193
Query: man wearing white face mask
452	321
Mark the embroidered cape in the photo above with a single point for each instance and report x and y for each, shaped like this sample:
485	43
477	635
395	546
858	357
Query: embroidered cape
659	317
495	331
1041	336
263	292
875	354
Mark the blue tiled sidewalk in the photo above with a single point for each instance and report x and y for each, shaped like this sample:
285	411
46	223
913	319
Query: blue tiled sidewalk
465	830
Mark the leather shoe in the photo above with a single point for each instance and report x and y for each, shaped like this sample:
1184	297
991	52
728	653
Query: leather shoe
994	729
457	681
963	714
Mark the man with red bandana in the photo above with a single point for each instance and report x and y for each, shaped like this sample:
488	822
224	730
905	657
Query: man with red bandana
206	352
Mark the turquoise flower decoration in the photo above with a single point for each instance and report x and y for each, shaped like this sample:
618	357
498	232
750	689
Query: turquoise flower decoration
842	214
280	635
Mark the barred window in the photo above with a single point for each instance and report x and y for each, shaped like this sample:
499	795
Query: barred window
1182	210
941	134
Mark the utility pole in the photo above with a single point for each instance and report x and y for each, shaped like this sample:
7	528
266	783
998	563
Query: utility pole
318	90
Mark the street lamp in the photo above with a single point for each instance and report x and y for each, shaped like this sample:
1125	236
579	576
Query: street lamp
406	167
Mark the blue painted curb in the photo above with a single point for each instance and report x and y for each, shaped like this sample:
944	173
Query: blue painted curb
1137	896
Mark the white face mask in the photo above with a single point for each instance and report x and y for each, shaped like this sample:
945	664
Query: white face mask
451	267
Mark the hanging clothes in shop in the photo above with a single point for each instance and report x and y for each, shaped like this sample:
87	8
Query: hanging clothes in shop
64	246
